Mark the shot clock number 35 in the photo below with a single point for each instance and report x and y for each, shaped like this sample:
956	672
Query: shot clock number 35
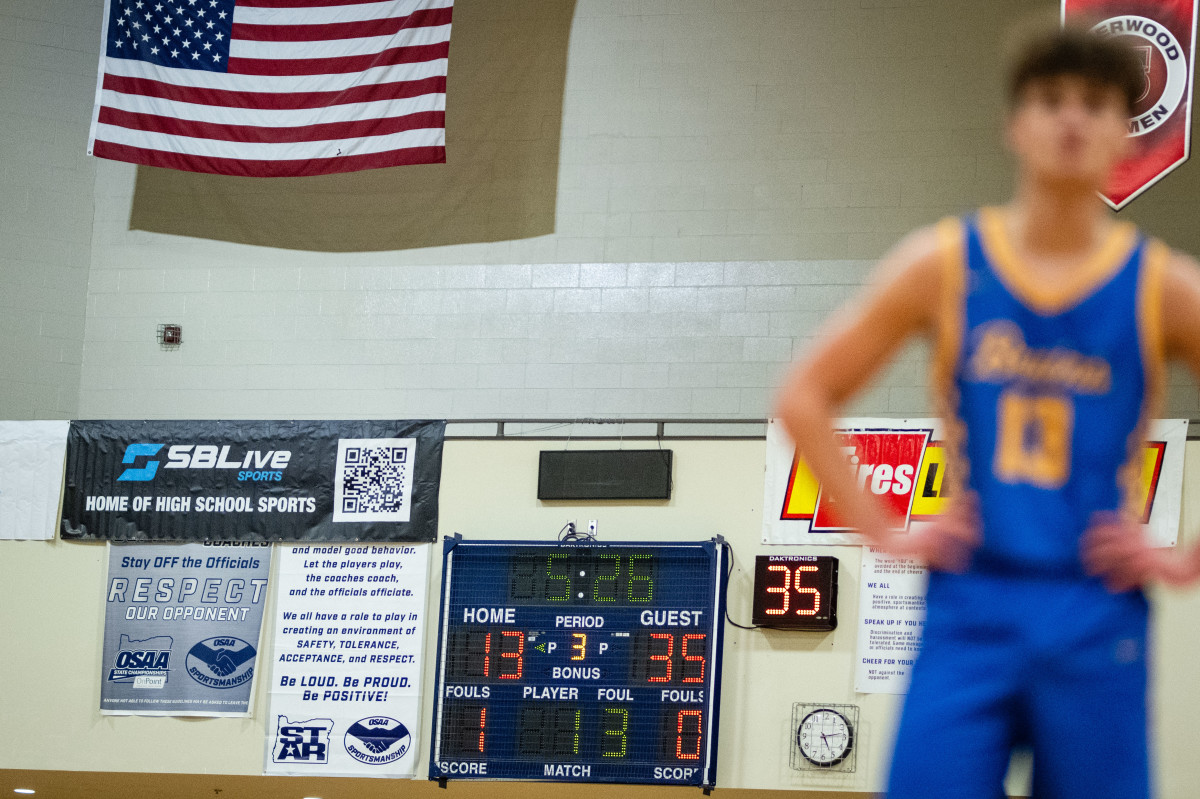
796	592
596	663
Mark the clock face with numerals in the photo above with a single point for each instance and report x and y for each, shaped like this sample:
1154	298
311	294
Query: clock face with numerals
825	737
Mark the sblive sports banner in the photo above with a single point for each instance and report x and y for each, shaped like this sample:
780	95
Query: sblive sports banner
349	636
1163	34
181	628
253	480
903	462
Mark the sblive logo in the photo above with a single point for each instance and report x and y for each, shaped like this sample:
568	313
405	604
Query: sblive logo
255	465
221	662
1163	64
144	664
377	740
301	741
135	451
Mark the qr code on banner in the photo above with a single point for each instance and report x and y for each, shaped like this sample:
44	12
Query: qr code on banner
373	482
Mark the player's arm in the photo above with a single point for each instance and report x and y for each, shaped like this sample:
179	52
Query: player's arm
901	302
1119	549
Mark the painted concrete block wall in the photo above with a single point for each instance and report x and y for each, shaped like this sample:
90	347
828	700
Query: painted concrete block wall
47	74
726	171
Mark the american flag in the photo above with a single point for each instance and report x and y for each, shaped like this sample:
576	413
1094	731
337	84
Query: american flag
273	88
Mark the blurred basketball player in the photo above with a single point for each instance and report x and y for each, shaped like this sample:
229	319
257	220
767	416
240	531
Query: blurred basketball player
1050	321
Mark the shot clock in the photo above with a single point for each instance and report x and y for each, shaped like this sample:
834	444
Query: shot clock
795	592
581	662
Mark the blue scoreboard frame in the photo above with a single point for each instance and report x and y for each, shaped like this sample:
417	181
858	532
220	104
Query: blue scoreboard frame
579	662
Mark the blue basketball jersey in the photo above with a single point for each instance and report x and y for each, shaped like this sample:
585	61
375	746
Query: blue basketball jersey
1046	391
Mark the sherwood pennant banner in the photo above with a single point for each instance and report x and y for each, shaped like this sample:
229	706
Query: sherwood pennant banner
903	462
253	480
1163	34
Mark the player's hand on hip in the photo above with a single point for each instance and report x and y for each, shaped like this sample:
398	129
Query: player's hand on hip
946	543
1117	549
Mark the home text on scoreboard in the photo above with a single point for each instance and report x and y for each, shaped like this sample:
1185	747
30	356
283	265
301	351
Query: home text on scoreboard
583	662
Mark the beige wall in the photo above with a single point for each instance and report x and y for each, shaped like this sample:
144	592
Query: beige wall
47	75
52	615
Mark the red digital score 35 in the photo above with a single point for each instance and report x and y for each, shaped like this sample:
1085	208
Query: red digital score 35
795	592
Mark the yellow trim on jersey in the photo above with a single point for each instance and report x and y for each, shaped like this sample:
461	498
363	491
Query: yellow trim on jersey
1155	257
952	246
953	274
1044	299
1150	325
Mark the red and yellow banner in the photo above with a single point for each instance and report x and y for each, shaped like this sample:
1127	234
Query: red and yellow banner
1163	33
904	463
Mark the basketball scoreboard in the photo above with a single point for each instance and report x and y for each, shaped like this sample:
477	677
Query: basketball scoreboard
581	662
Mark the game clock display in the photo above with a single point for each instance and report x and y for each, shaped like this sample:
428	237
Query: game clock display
580	662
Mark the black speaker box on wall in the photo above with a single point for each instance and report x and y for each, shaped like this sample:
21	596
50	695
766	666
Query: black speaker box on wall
605	474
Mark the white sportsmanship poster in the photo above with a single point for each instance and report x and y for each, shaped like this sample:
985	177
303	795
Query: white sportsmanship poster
903	462
349	634
32	455
891	606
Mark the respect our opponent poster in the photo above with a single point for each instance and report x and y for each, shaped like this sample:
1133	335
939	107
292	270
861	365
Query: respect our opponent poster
181	628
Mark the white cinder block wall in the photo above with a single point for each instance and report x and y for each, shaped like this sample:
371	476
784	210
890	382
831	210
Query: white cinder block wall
727	171
48	54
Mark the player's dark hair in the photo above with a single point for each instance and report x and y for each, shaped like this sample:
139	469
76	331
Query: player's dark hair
1051	51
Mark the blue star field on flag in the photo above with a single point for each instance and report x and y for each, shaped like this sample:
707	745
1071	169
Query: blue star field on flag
188	34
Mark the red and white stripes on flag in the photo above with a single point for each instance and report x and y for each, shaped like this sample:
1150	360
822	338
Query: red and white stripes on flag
272	88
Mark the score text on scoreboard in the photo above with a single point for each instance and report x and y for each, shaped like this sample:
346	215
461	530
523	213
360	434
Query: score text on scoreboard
795	592
579	662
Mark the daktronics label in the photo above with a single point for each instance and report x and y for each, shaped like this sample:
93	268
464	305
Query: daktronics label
907	470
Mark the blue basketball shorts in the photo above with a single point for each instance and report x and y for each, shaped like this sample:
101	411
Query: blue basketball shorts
1058	665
